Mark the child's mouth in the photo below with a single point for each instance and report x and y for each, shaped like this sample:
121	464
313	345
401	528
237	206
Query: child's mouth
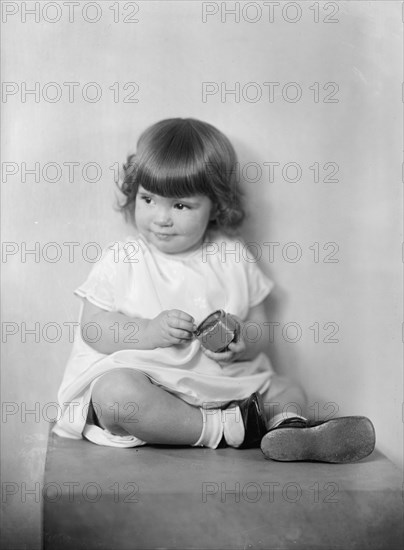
164	236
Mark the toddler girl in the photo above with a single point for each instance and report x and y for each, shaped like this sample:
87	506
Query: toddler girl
137	374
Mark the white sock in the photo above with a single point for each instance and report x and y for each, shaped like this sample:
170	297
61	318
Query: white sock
212	428
279	418
233	426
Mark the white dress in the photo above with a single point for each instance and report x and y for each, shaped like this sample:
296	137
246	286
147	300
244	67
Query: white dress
135	278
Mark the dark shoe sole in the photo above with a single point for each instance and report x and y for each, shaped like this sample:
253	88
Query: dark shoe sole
340	440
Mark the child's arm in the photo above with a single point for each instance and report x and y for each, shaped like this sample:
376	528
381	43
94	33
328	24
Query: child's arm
250	341
114	331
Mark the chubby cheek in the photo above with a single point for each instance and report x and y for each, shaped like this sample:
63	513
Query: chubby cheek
193	229
140	214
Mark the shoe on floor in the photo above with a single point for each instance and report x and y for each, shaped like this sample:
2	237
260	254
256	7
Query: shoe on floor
254	420
339	440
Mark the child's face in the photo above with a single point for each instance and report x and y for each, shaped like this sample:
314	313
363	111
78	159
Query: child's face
172	225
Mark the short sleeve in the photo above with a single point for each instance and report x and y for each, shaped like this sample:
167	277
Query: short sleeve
100	286
259	285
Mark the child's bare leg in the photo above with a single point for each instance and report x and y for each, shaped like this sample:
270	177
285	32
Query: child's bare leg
127	402
284	396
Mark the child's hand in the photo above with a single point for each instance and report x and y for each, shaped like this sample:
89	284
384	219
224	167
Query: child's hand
171	327
234	351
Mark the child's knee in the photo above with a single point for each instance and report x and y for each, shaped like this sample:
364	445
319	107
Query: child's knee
297	389
119	388
286	393
117	398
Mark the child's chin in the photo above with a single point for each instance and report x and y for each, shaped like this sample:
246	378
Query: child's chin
168	250
167	247
170	247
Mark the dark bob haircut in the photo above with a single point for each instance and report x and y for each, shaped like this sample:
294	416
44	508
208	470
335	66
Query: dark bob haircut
180	157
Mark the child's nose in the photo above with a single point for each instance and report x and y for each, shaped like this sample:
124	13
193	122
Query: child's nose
163	216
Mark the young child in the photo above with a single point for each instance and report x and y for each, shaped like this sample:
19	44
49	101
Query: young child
137	374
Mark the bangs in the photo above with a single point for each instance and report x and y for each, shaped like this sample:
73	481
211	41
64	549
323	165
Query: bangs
174	187
172	163
173	179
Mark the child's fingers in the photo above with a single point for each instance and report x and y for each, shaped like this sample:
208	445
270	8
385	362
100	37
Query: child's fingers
181	334
176	325
236	347
181	320
179	314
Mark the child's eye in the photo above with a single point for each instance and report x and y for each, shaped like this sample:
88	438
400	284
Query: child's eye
146	199
181	206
